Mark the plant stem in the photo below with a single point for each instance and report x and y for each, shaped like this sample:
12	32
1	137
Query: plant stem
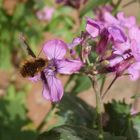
39	128
99	109
116	6
129	3
102	84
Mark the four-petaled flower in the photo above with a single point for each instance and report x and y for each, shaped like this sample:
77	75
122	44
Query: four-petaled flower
55	51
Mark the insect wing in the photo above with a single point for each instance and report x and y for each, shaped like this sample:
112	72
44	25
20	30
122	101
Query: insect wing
25	46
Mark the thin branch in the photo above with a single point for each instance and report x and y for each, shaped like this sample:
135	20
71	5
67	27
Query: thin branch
102	85
129	3
113	81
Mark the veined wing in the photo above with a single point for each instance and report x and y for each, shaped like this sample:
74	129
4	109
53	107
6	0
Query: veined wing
25	46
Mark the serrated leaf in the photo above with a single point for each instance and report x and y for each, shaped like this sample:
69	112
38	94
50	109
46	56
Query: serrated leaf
136	126
15	107
118	117
12	121
69	132
121	122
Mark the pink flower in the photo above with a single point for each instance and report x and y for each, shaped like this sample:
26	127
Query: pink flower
127	59
120	37
106	31
55	51
108	28
125	45
46	13
132	48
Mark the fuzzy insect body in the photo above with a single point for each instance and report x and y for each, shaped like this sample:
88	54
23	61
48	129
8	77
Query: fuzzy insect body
32	67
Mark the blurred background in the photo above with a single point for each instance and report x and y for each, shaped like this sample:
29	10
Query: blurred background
22	107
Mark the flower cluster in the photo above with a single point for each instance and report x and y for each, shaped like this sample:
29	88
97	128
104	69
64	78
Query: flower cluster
117	43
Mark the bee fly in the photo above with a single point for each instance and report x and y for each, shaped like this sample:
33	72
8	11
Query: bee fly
33	66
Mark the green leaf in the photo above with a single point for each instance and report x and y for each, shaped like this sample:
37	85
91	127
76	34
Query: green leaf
13	119
121	122
19	12
136	126
82	83
15	105
69	132
1	3
119	113
73	110
5	57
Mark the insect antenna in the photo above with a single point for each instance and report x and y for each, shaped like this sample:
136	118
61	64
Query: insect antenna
26	46
40	52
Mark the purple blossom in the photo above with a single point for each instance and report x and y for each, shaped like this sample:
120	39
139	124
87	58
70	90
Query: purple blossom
55	50
112	30
46	13
122	35
106	31
133	49
127	58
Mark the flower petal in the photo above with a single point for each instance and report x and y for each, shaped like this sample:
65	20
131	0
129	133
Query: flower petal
93	27
35	78
69	66
55	49
110	18
117	34
126	21
134	33
102	45
135	48
75	42
53	90
134	71
120	48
